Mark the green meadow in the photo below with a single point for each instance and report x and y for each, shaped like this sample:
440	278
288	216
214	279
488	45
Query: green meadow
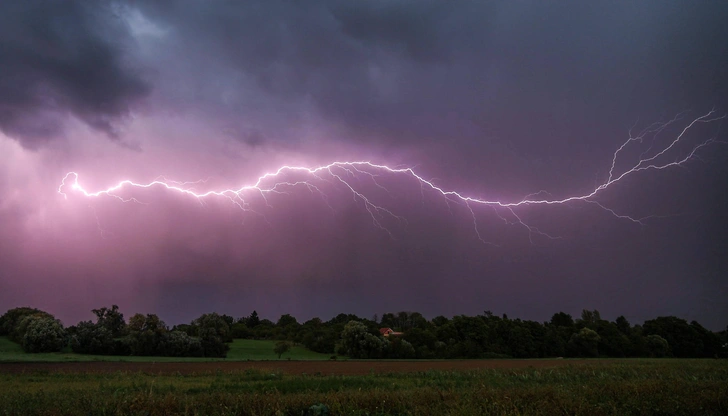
240	350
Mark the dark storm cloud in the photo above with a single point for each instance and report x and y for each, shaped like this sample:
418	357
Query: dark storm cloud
59	58
518	95
418	71
364	64
497	99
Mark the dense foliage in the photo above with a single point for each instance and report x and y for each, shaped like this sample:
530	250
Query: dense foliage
490	336
481	336
12	325
143	335
42	334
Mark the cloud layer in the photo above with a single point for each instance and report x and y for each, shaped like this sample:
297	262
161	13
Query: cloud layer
494	99
63	59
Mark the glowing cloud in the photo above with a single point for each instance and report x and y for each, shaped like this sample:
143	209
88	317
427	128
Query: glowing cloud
346	175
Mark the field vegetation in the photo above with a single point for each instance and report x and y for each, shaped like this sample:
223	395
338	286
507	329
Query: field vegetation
596	387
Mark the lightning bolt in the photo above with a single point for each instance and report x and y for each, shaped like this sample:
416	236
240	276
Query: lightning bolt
348	174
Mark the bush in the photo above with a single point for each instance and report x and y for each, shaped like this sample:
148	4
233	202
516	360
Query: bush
212	344
584	343
240	331
215	322
90	338
179	344
214	332
399	348
43	334
356	342
146	334
11	317
10	322
657	346
323	341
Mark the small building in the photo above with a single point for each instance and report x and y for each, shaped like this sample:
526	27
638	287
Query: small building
389	331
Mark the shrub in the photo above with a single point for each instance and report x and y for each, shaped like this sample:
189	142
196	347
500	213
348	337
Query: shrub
281	348
212	344
584	343
43	334
657	346
356	342
179	344
11	323
215	322
90	338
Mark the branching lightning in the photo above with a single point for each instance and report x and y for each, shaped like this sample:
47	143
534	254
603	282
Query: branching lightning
346	174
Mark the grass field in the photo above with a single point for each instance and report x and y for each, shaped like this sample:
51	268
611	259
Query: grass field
599	387
240	350
72	384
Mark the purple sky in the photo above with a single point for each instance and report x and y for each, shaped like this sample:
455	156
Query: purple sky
496	100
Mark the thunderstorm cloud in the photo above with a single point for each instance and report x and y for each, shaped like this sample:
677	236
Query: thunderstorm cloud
63	59
494	99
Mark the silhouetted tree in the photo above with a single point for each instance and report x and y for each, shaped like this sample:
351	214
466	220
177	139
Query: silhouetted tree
13	322
111	319
146	334
562	319
10	319
240	331
357	342
590	319
554	345
584	343
623	325
43	334
179	344
89	338
399	348
440	321
216	323
281	347
286	320
612	342
214	333
423	341
684	340
657	346
228	319
481	336
253	320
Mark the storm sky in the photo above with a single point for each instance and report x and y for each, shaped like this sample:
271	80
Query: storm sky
496	100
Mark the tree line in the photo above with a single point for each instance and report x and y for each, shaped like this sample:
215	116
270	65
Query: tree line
481	336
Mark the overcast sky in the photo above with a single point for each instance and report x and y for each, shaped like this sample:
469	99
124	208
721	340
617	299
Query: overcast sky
496	100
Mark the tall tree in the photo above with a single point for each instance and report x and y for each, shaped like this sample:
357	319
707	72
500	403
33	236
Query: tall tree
562	319
357	342
253	320
584	343
111	319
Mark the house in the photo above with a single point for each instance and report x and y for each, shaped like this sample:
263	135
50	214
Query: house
389	331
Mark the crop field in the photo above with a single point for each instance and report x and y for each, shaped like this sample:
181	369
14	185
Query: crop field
457	387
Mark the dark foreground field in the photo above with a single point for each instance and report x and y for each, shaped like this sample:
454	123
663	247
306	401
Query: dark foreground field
498	387
339	368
